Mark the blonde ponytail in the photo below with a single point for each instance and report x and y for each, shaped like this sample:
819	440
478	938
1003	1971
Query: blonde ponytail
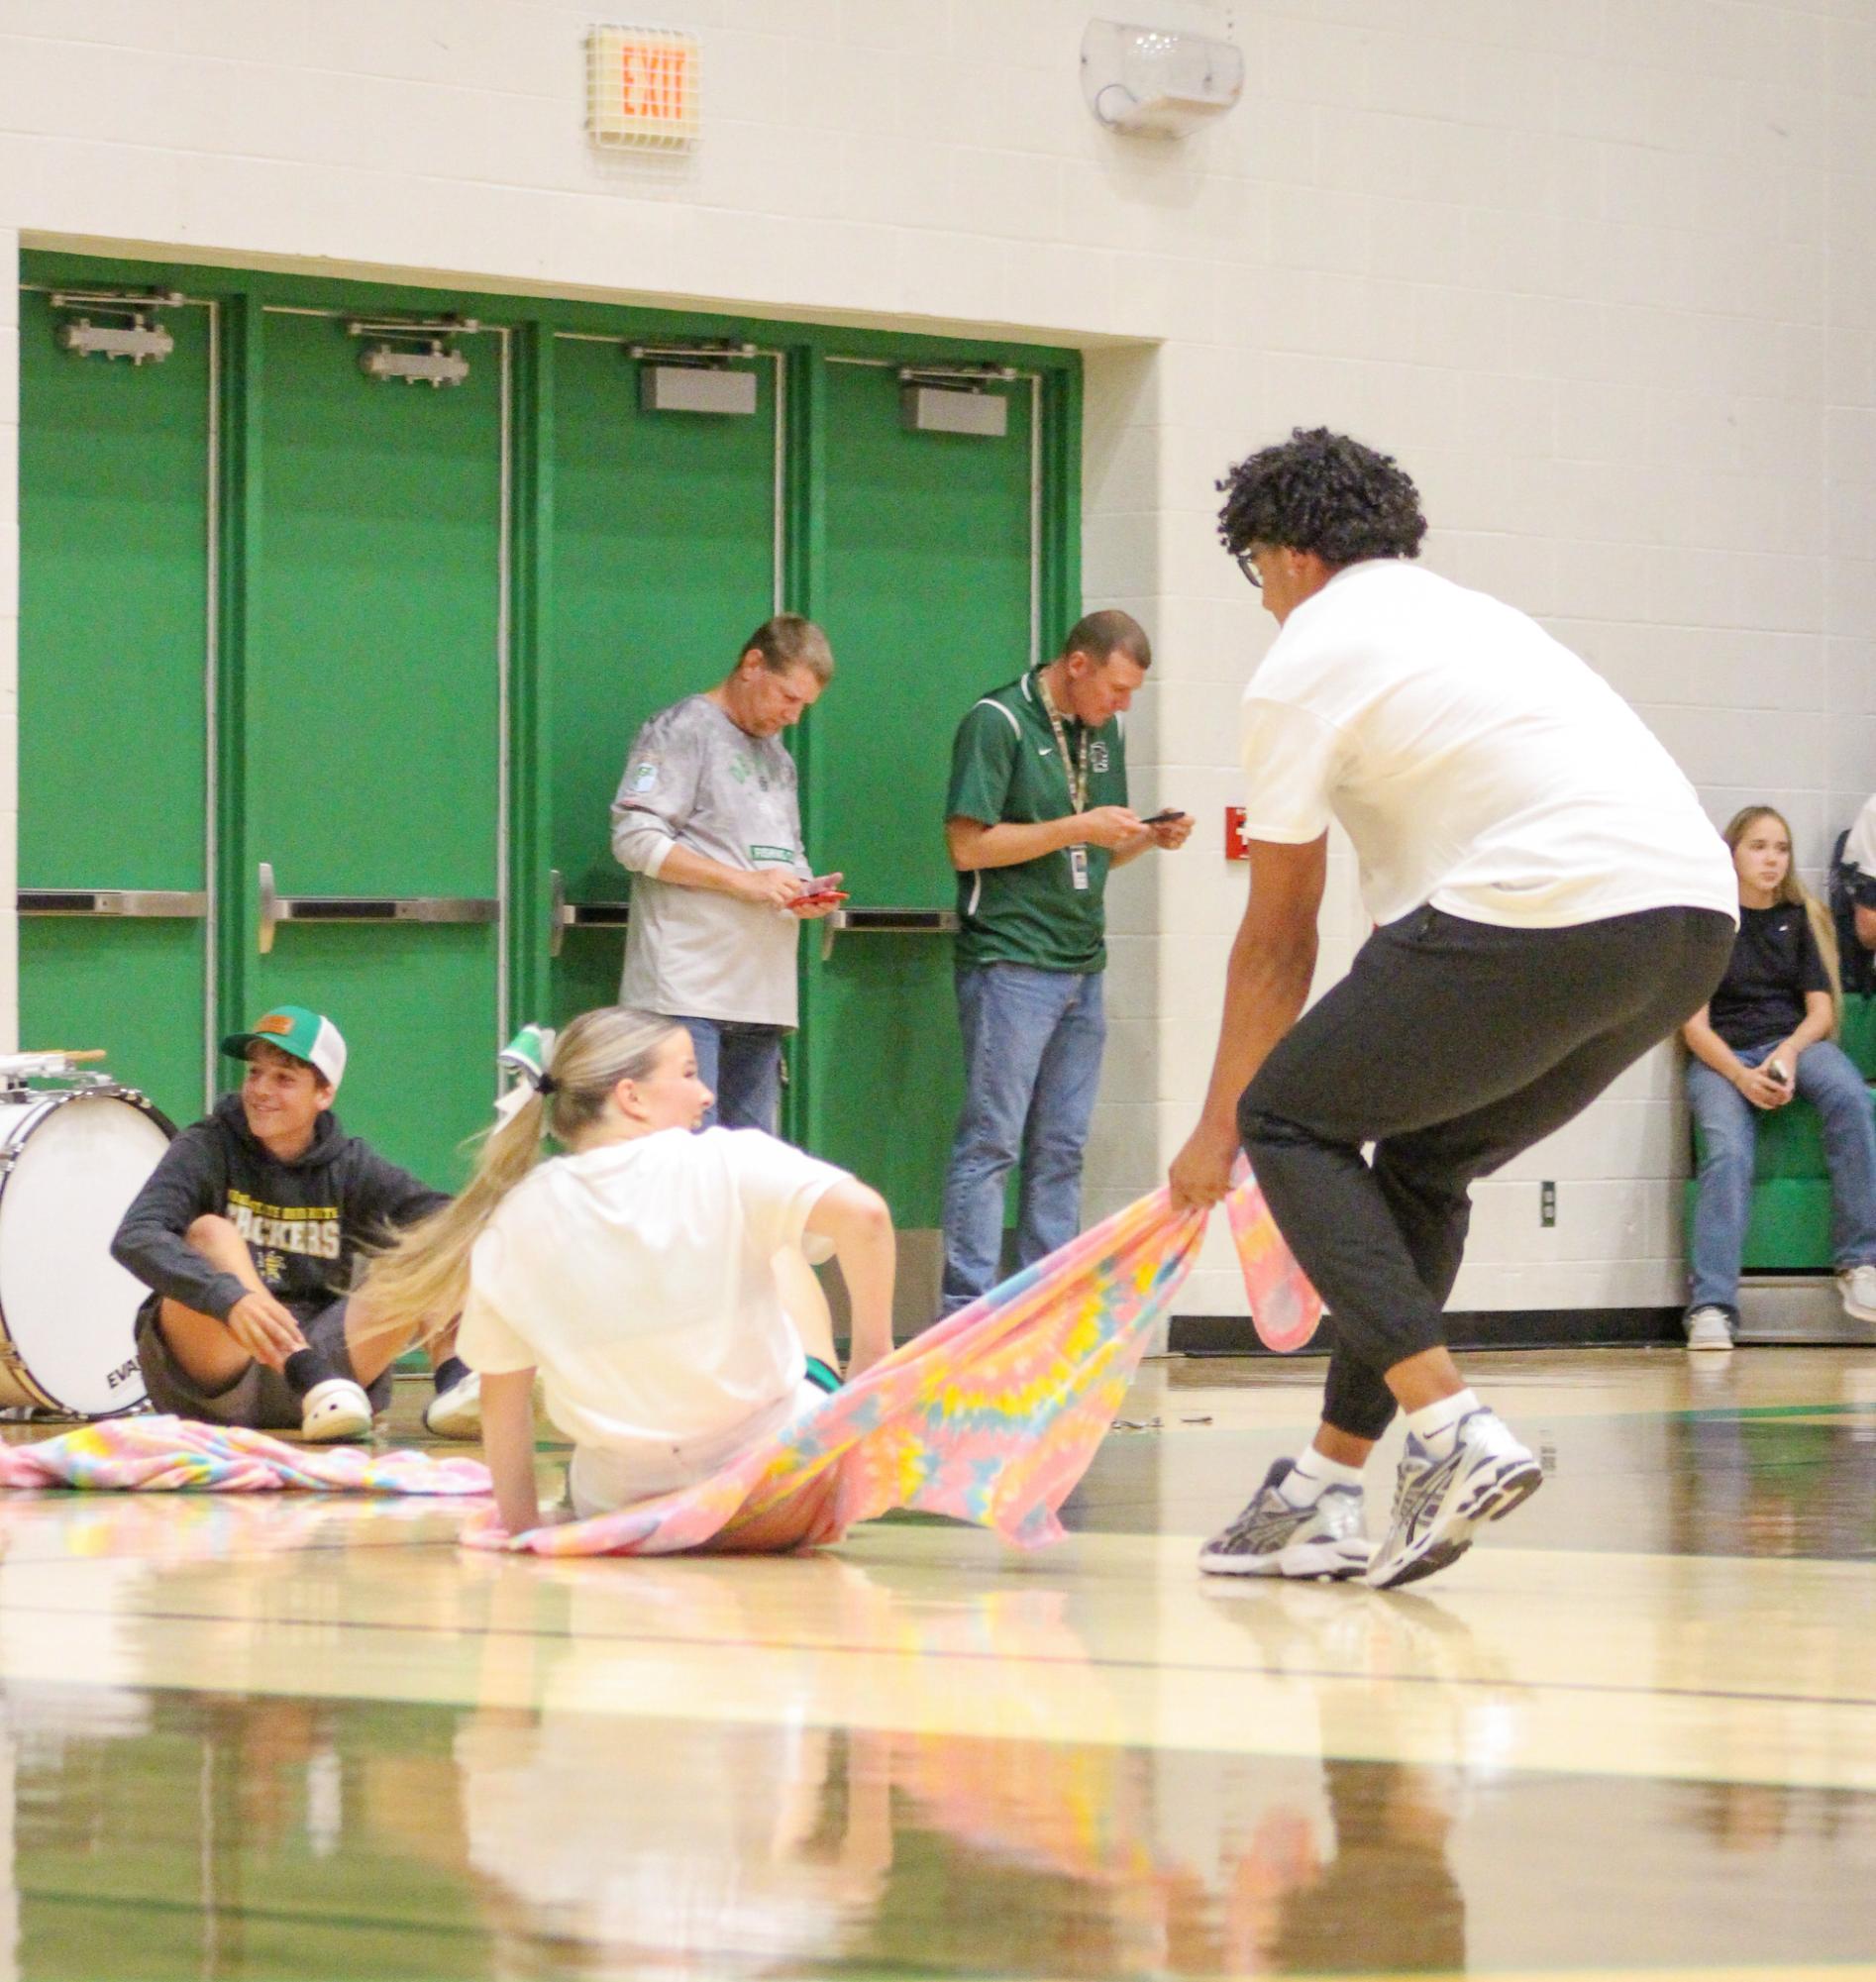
423	1275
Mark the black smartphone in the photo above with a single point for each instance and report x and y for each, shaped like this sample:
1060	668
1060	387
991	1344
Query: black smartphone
1164	818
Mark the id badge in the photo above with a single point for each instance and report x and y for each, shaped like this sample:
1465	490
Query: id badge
1077	867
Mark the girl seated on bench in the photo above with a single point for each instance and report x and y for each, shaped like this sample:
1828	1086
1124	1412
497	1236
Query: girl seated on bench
654	1277
1762	1038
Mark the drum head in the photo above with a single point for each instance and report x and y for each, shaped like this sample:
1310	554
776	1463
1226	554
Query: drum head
68	1305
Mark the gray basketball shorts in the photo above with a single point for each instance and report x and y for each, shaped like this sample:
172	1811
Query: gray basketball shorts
260	1399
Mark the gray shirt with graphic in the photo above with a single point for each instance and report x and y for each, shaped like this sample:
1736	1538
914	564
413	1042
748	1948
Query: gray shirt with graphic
694	780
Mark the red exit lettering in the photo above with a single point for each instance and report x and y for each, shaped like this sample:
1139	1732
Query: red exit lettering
654	82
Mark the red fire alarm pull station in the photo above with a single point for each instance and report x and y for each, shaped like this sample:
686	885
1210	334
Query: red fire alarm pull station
1236	847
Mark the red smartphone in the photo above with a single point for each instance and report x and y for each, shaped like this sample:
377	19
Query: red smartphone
822	888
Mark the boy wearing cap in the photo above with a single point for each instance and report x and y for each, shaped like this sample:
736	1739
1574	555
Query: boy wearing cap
245	1233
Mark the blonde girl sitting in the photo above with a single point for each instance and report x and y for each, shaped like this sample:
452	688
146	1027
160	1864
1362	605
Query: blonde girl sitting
1761	1039
654	1278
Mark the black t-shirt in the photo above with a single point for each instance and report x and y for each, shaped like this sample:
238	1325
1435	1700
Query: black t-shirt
1775	962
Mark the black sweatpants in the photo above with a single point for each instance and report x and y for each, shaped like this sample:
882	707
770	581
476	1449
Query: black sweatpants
1451	1046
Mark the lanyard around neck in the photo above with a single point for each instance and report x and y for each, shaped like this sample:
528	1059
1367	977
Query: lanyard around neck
1075	774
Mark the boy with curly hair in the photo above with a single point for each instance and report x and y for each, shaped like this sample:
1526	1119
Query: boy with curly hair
1549	902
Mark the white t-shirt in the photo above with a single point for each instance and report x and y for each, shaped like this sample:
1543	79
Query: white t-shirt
1476	763
638	1278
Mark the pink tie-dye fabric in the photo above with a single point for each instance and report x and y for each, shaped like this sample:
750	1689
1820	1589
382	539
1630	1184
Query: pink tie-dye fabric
992	1416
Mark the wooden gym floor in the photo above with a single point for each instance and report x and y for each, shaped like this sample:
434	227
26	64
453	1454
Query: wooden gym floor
1632	1733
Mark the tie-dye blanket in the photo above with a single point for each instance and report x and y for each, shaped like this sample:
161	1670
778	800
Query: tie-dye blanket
990	1416
150	1454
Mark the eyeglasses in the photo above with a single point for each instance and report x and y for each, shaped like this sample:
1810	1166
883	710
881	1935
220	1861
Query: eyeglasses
1250	571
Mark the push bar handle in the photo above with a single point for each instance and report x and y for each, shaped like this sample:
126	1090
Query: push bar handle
564	915
886	922
144	903
276	908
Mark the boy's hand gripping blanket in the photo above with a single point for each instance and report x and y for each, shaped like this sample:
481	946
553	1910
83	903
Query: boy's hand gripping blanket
990	1416
152	1453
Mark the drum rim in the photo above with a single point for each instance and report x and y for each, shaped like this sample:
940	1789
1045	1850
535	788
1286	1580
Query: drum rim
12	1144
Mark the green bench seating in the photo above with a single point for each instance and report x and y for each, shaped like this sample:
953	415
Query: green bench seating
1790	1228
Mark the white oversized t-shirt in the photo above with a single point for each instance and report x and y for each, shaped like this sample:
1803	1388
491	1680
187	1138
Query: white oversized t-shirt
1476	763
638	1278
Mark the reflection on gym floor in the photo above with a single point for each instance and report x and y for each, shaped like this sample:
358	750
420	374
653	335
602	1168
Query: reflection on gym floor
283	1737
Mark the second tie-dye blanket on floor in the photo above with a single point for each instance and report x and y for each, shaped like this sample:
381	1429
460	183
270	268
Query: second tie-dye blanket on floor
177	1454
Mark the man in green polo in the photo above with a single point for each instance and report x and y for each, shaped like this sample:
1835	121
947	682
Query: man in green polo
1036	817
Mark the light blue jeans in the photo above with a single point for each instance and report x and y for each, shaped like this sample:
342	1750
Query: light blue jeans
1032	1042
1728	1134
742	1066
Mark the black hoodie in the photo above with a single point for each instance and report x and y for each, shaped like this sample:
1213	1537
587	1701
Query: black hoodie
305	1220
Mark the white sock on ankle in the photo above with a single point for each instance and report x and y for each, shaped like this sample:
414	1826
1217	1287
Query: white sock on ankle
1303	1482
1433	1422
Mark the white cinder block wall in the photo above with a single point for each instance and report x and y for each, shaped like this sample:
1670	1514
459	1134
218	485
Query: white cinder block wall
1598	271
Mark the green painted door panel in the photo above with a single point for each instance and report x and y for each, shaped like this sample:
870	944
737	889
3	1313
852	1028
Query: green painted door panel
661	561
114	533
374	706
927	599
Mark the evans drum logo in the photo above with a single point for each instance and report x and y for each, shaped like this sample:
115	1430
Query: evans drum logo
122	1374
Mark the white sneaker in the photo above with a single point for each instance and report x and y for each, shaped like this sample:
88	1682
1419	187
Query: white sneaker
456	1413
1710	1327
1272	1537
1856	1288
1438	1503
334	1412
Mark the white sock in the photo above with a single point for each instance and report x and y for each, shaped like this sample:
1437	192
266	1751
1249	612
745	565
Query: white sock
1303	1485
1433	1422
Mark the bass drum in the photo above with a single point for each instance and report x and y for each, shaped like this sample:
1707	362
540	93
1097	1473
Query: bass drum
70	1162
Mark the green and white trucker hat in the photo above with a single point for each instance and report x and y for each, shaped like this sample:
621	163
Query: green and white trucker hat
306	1035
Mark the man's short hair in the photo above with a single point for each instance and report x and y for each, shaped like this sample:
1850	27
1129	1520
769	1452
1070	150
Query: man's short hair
1324	493
1102	635
791	641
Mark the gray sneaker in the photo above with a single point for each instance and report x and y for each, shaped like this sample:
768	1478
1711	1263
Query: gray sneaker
1438	1503
1273	1538
1708	1328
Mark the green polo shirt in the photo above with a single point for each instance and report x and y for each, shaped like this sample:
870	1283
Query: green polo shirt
1006	769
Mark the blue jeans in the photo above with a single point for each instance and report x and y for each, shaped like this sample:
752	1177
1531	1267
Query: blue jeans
1032	1043
1728	1134
741	1065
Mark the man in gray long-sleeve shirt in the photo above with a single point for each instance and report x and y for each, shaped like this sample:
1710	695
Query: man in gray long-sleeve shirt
708	821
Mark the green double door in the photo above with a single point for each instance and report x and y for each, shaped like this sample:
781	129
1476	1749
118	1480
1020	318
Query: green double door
671	539
346	747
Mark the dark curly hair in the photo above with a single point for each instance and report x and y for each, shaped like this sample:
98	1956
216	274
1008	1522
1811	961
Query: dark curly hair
1324	493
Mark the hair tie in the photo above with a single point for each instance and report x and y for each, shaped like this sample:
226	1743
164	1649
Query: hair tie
545	1085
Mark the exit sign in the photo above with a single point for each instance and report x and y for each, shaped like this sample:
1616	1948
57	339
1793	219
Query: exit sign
642	87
